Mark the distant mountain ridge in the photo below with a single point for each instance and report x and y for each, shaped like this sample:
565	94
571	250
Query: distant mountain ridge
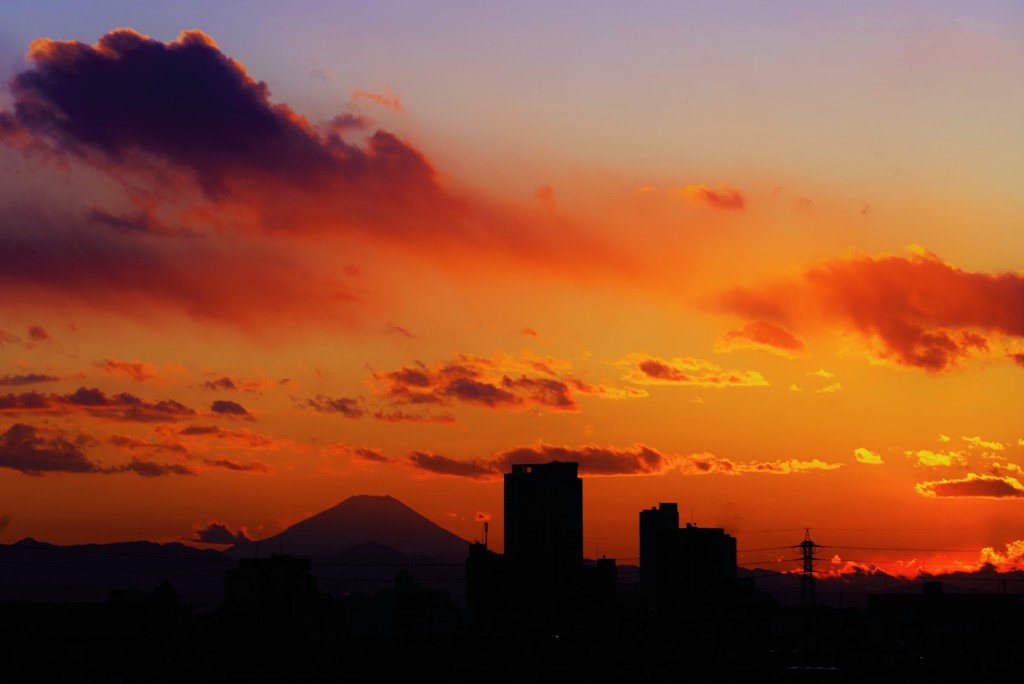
357	545
361	519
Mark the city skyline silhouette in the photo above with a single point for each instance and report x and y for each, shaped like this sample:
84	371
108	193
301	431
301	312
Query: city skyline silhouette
269	275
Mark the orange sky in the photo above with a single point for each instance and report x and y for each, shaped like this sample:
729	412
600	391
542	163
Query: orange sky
239	288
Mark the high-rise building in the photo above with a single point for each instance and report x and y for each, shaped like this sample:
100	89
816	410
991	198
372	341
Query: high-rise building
684	567
544	521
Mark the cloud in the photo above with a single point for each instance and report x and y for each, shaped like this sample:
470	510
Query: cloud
204	156
145	468
346	406
867	456
139	371
643	369
229	464
1010	559
763	336
187	104
230	408
979	442
722	197
443	465
133	444
975	486
503	382
385	99
397	416
226	383
1006	470
53	258
392	329
200	439
605	461
223	186
182	443
26	379
35	451
216	532
934	459
92	401
37	333
368	454
594	460
920	311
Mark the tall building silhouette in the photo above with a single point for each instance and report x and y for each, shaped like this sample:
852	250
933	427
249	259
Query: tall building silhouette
544	522
688	567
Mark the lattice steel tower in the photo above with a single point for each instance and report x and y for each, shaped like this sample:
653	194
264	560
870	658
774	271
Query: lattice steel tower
807	549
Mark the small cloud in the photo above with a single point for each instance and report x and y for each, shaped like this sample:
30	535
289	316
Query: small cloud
138	371
225	383
822	373
979	442
229	464
528	332
362	453
37	333
936	459
215	532
1006	469
866	456
443	465
392	329
795	388
385	99
722	197
642	369
828	389
761	335
230	408
27	379
350	407
147	468
397	416
943	438
973	486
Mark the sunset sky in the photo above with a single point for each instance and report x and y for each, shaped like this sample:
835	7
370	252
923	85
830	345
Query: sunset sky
765	260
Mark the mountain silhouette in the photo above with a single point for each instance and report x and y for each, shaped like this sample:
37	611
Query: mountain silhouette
358	520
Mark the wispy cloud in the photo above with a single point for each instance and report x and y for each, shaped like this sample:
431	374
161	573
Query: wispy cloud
974	486
922	312
763	336
643	369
